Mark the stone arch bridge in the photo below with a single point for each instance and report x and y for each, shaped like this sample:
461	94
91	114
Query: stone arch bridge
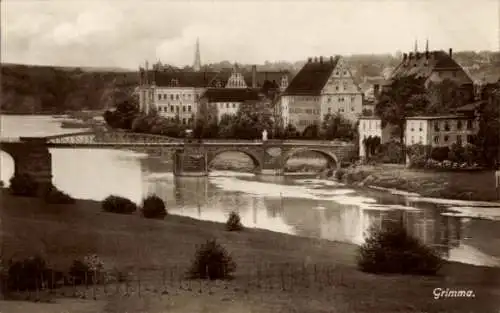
191	157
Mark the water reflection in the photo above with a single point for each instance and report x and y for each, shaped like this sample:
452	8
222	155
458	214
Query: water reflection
306	207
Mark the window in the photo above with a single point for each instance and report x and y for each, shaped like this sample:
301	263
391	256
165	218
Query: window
177	109
171	108
352	109
421	128
470	139
337	73
184	121
436	139
459	139
469	124
189	108
336	88
227	105
353	98
234	105
329	110
412	140
459	125
176	97
183	108
329	99
172	97
436	126
345	72
159	97
446	126
364	125
446	138
344	86
421	140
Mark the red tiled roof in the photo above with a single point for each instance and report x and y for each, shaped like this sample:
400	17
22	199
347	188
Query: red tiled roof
312	77
261	77
422	65
181	78
231	94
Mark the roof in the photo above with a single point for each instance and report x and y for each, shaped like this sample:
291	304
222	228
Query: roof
181	78
231	94
369	118
422	65
470	106
312	77
260	78
438	117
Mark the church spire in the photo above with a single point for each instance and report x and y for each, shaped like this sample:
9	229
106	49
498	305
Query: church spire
197	58
427	45
416	46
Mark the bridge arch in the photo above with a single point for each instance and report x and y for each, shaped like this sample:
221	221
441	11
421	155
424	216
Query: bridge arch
252	155
331	158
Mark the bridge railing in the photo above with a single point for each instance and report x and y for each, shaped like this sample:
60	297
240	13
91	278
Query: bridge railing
10	139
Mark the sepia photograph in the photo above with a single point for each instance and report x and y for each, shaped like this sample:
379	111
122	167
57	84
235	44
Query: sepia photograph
281	156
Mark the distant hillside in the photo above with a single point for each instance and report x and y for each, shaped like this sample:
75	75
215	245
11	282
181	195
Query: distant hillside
44	89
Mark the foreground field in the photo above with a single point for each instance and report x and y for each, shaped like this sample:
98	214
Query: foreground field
275	272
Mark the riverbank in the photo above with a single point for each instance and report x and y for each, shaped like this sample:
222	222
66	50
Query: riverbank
470	185
62	233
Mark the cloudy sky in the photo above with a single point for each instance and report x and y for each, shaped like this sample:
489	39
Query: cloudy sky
123	33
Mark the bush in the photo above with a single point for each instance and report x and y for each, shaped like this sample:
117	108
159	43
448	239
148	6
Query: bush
23	185
117	204
234	222
390	152
212	261
393	250
153	207
339	174
28	274
440	153
89	271
55	196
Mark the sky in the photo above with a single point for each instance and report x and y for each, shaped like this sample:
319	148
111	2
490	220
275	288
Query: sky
125	33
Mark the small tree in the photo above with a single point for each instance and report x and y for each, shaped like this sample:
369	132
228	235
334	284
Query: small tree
117	204
393	250
212	261
234	222
153	207
23	185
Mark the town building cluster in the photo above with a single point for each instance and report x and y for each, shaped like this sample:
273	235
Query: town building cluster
324	85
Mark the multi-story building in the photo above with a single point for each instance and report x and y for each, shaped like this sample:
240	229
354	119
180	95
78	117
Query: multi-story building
435	67
440	131
322	86
173	94
371	126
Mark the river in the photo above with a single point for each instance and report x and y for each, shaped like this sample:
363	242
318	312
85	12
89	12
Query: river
467	232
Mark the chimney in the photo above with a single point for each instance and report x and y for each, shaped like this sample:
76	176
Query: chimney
410	56
450	52
309	60
321	59
405	56
315	59
254	76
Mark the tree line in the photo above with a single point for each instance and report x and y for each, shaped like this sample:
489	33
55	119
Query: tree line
248	123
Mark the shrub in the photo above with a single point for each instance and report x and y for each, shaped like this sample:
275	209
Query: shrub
55	196
87	271
393	250
23	185
29	274
234	222
440	153
212	261
339	174
153	207
117	204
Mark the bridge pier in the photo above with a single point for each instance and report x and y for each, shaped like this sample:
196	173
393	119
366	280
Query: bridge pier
187	163
31	157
